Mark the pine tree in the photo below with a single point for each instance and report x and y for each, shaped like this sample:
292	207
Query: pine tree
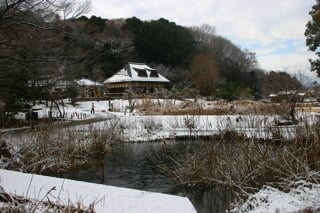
312	34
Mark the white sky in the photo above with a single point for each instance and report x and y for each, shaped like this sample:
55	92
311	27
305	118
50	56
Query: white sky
273	29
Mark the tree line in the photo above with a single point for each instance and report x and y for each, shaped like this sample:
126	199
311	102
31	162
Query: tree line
194	57
42	39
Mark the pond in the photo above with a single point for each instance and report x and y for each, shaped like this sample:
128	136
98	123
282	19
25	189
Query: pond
129	166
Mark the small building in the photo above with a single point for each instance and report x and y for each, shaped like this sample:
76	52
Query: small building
89	88
285	96
50	83
138	77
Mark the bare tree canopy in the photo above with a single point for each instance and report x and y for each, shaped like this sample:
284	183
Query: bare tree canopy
18	12
31	44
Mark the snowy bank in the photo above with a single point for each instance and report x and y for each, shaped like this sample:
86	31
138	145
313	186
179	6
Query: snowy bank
105	198
303	195
139	127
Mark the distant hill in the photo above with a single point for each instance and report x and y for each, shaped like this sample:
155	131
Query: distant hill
308	80
303	74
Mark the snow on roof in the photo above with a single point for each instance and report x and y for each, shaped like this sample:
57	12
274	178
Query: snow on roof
105	198
87	82
137	72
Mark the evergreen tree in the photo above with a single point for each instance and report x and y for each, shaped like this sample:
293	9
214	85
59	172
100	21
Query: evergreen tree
312	34
162	41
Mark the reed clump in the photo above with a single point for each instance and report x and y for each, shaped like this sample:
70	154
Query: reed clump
244	164
54	150
14	203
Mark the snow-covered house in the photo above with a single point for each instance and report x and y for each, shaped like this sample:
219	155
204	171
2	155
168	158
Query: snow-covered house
49	83
89	88
138	77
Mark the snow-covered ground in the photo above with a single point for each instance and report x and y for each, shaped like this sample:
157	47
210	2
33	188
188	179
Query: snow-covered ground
138	127
103	198
302	196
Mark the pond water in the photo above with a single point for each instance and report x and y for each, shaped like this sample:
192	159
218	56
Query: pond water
129	166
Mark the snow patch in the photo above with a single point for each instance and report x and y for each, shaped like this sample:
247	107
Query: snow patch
303	195
104	198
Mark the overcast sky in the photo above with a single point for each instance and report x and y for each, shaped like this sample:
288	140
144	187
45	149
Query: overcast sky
273	29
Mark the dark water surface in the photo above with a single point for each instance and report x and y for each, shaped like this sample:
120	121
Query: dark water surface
129	166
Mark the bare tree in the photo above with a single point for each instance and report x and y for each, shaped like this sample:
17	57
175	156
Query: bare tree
205	73
31	42
234	64
204	33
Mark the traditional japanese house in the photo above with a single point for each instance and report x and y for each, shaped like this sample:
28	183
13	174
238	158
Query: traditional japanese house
138	77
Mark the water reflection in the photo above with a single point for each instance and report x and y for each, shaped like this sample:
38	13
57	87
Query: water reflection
129	166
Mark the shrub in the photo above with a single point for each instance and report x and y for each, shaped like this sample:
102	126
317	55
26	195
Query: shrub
52	149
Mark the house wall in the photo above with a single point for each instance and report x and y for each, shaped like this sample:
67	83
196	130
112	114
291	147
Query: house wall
91	92
127	85
140	88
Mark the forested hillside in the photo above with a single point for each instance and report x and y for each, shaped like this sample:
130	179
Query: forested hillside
40	40
194	57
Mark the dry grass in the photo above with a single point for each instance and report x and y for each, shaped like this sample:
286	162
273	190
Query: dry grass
55	150
52	150
189	107
16	204
309	109
244	164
